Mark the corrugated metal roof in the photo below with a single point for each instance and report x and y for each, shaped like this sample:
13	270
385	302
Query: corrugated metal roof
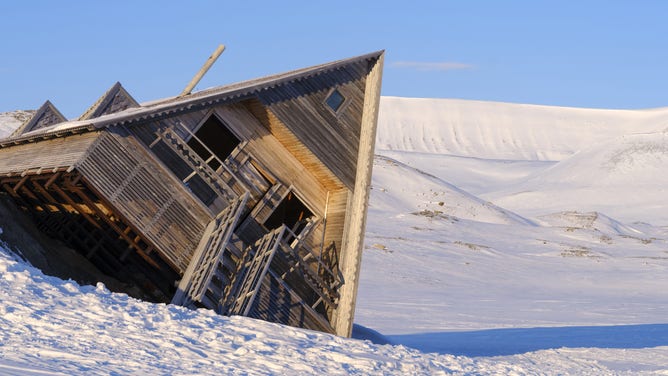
167	106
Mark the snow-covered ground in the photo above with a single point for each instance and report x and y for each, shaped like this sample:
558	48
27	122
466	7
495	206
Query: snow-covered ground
501	239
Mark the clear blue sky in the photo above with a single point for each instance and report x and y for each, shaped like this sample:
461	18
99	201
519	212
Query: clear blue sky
589	53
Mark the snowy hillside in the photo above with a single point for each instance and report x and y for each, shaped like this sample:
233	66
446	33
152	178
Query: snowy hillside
494	130
501	239
624	177
586	265
12	120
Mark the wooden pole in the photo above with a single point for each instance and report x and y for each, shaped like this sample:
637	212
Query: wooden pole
209	62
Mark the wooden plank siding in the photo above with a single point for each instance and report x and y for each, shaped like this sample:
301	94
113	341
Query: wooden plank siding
146	195
332	137
334	224
290	142
355	223
48	154
272	156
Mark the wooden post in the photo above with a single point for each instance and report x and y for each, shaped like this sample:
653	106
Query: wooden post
355	223
209	62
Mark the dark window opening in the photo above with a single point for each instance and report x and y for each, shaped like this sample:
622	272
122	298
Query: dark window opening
217	137
335	100
290	212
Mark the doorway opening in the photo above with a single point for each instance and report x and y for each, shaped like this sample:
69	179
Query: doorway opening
291	212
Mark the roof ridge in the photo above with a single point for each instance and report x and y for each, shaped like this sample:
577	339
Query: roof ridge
160	107
101	106
35	122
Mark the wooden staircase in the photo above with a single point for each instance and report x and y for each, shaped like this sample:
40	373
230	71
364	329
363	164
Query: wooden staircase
214	263
199	165
275	283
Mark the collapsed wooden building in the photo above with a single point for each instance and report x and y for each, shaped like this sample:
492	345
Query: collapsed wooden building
248	199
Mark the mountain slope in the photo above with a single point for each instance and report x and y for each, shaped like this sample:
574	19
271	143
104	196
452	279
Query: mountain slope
493	130
623	177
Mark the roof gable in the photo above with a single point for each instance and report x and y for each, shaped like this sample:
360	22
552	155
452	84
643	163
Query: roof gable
270	88
46	116
116	99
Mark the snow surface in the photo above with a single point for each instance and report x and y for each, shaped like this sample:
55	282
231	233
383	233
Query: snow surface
12	120
501	239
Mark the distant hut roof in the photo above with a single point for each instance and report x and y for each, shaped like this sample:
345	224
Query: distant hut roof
47	115
116	99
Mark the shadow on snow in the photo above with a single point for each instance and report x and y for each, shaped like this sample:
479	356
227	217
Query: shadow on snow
497	342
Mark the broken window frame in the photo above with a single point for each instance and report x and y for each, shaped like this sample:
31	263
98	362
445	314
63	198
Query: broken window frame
191	133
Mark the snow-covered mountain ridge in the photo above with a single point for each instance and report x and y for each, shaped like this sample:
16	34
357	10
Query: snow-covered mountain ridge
535	160
494	130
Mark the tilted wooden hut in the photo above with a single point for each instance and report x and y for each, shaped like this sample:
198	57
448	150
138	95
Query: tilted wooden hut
248	199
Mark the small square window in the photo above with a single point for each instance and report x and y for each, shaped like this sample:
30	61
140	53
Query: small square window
335	100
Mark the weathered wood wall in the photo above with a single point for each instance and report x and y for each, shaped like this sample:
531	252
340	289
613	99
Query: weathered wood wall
295	168
48	154
332	137
353	242
147	196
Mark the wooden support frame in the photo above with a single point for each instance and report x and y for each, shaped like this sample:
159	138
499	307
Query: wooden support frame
121	232
65	185
257	268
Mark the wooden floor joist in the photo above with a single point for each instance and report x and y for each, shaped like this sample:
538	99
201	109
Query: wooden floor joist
56	190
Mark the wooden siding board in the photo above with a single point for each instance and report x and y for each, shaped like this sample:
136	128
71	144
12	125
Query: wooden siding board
48	154
141	191
287	140
273	156
355	222
333	138
336	215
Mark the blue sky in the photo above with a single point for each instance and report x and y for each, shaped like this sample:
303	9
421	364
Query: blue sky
589	53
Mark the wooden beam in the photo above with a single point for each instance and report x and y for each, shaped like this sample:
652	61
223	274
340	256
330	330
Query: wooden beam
20	183
10	190
205	68
51	180
76	206
122	233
